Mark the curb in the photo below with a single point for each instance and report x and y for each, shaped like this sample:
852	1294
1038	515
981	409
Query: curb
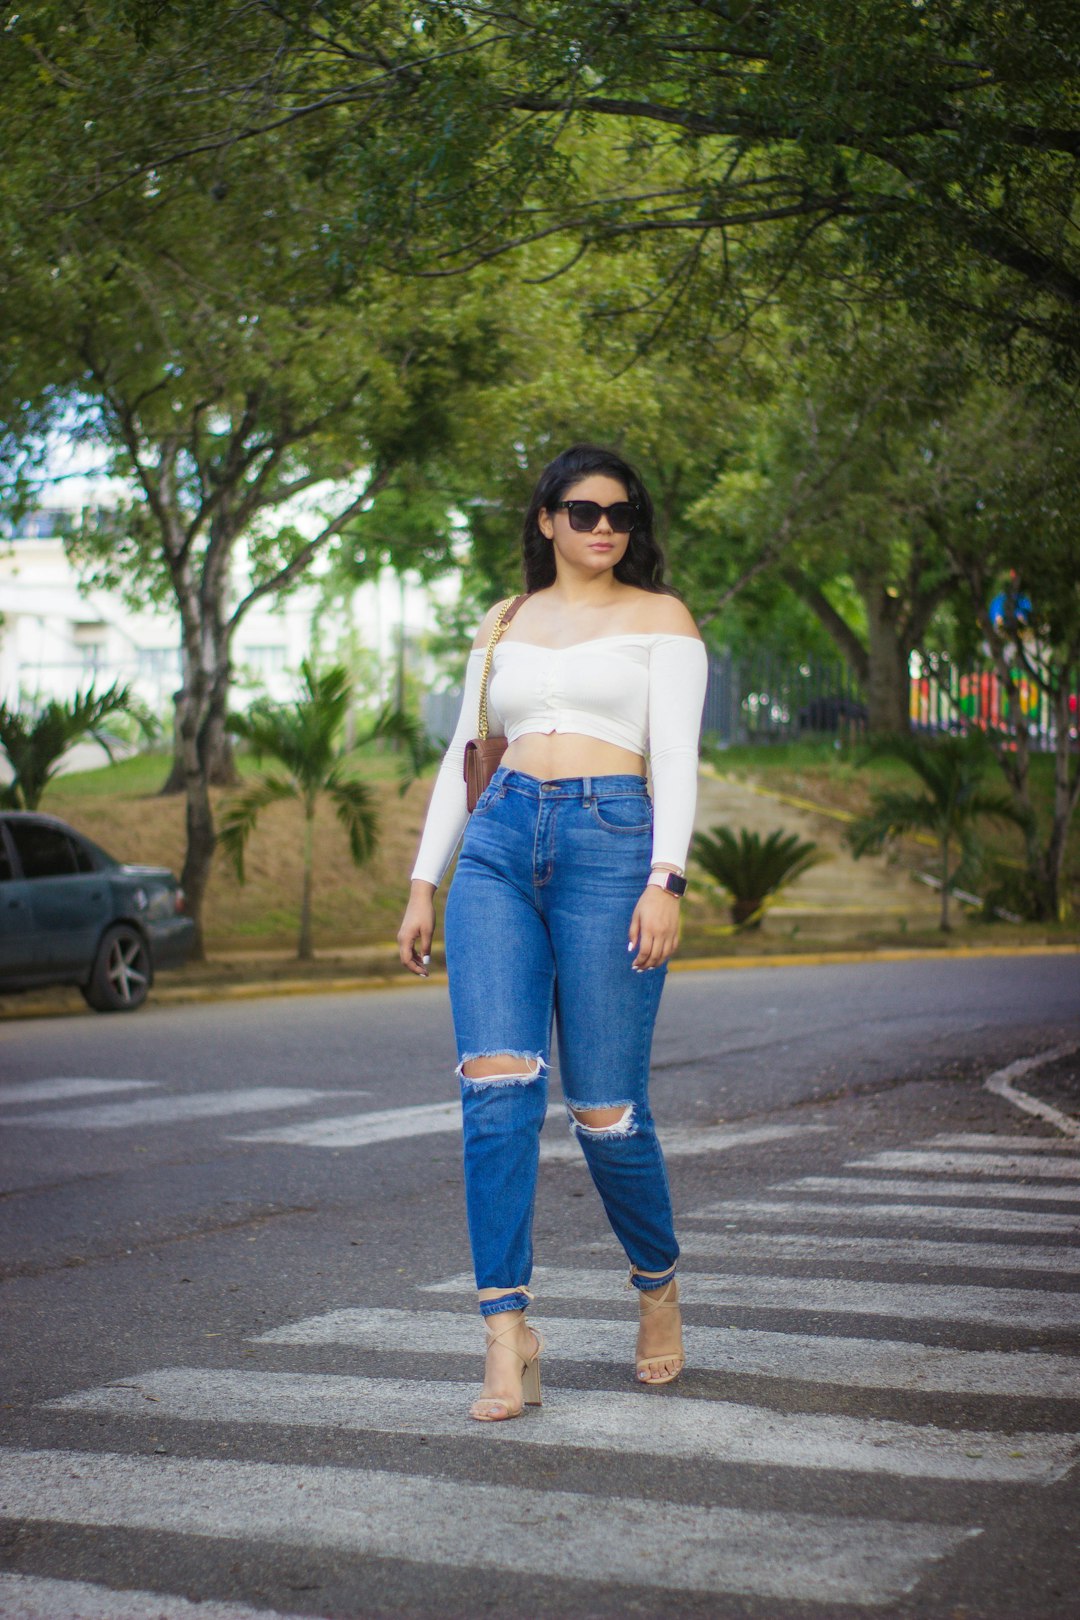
260	989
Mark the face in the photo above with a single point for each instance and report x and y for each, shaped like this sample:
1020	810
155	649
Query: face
603	548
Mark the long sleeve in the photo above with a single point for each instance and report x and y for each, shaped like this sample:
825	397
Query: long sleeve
448	808
678	672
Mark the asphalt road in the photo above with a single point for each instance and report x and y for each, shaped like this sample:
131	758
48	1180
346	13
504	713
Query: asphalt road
239	1345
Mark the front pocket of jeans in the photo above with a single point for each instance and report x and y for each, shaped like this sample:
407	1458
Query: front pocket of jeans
626	815
490	796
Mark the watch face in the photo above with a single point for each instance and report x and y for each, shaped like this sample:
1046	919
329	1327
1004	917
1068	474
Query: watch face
675	884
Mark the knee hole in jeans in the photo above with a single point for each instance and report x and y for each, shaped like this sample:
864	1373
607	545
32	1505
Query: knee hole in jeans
501	1068
608	1123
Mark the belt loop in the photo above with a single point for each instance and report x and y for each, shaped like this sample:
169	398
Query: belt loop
586	789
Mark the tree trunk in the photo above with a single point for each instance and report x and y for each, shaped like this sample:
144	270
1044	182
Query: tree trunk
201	708
888	654
221	765
946	878
304	951
1066	795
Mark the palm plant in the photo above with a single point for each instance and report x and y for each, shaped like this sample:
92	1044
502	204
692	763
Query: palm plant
951	771
35	740
752	869
304	738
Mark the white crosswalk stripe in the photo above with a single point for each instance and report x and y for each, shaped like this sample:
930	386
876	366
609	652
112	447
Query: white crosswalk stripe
358	1130
1030	1222
1001	1307
684	1143
865	1251
868	1186
60	1090
673	1547
393	1124
932	1162
802	1357
1005	1144
35	1597
172	1110
627	1424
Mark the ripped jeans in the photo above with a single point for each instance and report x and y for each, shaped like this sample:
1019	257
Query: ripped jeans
537	925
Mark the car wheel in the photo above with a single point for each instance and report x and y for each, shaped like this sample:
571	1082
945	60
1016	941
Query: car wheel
121	975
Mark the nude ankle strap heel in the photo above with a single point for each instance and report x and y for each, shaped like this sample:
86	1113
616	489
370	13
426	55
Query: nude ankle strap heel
662	1367
494	1408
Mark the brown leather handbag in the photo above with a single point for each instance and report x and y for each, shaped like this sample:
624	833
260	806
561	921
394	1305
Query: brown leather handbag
483	753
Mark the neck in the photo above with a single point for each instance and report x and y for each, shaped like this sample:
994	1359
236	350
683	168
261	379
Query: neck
582	590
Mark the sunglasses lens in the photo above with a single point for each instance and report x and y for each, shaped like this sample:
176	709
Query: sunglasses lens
585	515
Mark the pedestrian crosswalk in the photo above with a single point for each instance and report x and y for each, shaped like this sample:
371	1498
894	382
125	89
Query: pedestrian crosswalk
925	1271
377	1514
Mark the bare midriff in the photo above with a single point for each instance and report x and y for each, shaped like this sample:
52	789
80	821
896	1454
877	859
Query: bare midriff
554	754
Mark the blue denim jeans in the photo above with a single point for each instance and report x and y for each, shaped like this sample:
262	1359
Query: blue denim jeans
537	926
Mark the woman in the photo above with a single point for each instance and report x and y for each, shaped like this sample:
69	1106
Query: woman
565	901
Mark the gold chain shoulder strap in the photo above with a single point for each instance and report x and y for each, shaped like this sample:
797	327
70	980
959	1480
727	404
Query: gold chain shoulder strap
497	629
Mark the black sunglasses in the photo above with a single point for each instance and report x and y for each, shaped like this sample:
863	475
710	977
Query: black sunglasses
585	515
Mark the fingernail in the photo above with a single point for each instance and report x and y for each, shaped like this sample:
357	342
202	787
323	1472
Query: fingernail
630	946
426	960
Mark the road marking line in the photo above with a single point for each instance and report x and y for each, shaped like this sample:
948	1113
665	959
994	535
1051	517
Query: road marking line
172	1110
1005	1144
965	1164
40	1091
393	1124
903	1251
803	1357
614	1423
364	1512
990	1220
1001	1083
682	1142
826	1296
358	1130
36	1597
866	1186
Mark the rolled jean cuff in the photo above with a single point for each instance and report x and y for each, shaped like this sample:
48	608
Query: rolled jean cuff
518	1301
647	1284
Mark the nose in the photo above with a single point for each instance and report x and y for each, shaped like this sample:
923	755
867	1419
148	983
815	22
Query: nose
603	526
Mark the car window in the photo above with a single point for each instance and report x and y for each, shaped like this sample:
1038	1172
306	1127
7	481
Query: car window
84	861
43	851
6	872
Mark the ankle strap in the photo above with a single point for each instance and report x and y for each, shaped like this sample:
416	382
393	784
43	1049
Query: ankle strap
488	1296
657	1279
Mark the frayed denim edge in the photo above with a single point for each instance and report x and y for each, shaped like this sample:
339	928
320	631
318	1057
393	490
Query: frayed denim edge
626	1126
483	1080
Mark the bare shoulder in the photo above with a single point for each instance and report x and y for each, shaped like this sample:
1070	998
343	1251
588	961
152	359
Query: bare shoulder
487	624
667	616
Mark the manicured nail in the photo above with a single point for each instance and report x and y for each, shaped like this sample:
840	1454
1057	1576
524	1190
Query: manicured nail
630	946
426	960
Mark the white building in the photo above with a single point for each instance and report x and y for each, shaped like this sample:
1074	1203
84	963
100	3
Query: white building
56	634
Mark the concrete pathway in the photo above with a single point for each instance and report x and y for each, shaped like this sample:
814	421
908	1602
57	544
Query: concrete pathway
842	895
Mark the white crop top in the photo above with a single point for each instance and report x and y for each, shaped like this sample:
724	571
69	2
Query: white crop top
643	692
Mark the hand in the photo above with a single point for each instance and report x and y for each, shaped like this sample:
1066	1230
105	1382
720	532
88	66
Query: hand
654	928
418	929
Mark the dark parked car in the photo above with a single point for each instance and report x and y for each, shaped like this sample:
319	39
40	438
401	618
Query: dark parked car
70	914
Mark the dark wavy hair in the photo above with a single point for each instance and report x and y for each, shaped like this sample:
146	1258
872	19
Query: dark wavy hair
642	563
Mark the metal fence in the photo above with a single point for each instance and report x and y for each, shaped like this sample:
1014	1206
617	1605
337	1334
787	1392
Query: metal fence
772	698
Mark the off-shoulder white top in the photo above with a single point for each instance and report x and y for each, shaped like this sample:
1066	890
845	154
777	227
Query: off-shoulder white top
643	692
